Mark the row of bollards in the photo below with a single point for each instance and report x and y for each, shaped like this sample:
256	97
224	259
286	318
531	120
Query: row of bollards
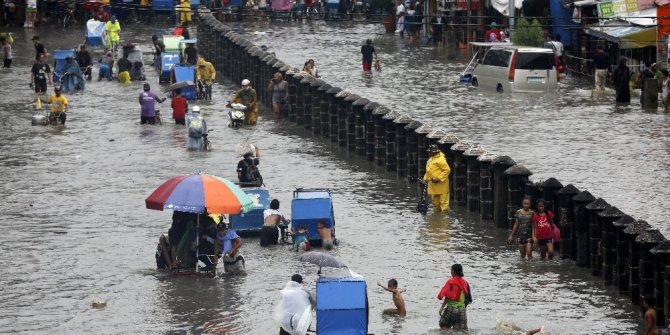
623	251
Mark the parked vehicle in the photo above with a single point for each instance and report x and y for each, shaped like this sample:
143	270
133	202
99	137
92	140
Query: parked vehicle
251	222
308	207
510	68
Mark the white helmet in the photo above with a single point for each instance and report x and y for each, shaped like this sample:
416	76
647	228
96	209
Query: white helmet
195	109
246	82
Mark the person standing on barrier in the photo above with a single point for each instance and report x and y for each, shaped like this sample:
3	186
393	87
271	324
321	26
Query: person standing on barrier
437	178
247	97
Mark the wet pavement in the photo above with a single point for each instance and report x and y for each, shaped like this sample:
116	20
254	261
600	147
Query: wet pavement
75	228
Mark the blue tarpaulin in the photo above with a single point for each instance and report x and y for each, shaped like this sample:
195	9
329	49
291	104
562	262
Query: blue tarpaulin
185	73
341	306
562	22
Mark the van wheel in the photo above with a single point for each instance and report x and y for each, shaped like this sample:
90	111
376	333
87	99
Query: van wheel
474	82
499	89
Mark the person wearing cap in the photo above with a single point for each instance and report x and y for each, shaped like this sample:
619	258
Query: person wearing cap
197	130
247	97
456	296
437	178
106	64
494	34
249	161
113	30
227	246
294	300
147	100
39	47
58	106
40	75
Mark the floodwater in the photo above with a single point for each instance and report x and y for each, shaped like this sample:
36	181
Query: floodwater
75	228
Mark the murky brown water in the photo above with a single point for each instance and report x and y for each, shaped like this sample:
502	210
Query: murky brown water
75	228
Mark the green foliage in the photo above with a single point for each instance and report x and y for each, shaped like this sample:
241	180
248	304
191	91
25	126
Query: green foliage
528	34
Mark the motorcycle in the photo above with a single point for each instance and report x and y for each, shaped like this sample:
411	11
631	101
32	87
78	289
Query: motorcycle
204	90
236	115
87	72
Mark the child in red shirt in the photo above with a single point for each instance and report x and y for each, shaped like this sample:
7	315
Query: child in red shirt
179	106
543	227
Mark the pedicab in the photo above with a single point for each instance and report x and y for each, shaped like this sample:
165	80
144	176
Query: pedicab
341	297
310	206
134	53
191	197
184	73
170	57
59	63
95	33
251	222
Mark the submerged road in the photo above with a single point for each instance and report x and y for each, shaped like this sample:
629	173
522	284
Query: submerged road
75	228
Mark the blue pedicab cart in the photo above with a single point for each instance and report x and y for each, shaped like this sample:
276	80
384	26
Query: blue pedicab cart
183	73
341	306
59	62
169	58
251	222
308	207
95	33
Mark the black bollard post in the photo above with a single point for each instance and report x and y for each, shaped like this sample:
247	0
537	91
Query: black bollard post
333	107
398	159
292	95
342	118
661	256
582	227
500	164
445	144
595	234
351	121
316	105
621	275
517	177
324	108
486	185
305	83
632	231
608	243
550	189
650	94
647	240
299	99
422	148
370	139
472	177
566	220
359	124
380	134
460	172
391	140
412	151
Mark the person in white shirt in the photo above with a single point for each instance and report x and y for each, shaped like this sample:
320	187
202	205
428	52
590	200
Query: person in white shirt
272	218
400	18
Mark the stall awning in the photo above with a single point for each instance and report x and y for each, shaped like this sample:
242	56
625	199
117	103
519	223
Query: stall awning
627	36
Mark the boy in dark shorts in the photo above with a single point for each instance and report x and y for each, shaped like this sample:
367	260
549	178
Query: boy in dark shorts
40	75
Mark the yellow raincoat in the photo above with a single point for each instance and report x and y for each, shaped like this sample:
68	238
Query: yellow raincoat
437	177
248	98
205	71
184	10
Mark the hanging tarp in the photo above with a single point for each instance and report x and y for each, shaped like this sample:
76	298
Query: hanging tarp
502	6
625	35
562	22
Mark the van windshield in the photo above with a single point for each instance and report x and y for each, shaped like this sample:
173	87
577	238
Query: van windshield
535	61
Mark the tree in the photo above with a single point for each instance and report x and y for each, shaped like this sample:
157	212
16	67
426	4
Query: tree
528	34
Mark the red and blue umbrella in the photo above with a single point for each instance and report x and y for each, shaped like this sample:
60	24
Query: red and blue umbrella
198	193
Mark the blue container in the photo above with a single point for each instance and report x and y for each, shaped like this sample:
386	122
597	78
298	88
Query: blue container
309	207
185	73
341	306
168	60
163	5
59	62
251	222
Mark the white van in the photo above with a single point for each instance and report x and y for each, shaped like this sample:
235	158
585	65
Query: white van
510	68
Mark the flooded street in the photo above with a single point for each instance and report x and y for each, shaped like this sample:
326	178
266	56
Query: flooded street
75	228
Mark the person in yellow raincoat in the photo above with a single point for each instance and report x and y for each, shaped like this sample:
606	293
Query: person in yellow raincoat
113	29
247	97
184	10
437	178
205	71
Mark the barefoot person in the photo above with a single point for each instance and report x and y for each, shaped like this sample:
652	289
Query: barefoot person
326	235
398	300
523	228
648	303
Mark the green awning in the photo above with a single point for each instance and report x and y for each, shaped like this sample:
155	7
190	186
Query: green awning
624	34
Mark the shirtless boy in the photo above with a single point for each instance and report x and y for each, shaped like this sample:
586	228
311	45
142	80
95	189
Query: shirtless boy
326	235
650	316
399	302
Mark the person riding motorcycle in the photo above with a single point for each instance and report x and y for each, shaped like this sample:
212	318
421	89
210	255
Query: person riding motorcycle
247	97
206	73
58	106
197	129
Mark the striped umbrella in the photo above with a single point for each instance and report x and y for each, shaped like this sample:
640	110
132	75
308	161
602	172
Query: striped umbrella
197	193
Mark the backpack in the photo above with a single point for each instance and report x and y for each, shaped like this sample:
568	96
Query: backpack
195	128
253	174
